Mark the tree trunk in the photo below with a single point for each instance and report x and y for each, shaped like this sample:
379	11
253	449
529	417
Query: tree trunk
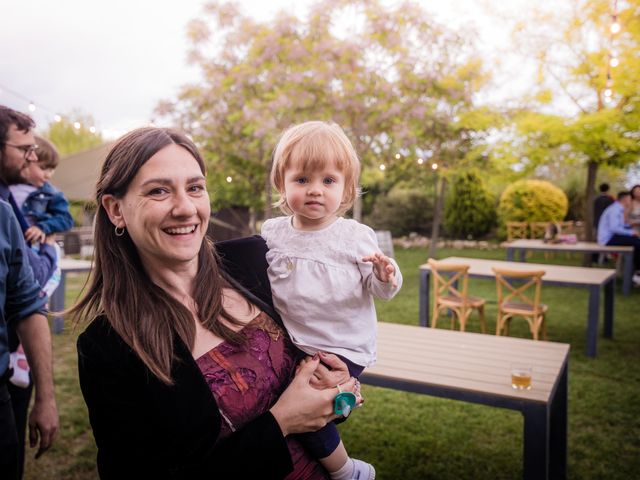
357	209
437	215
589	227
592	172
268	202
252	222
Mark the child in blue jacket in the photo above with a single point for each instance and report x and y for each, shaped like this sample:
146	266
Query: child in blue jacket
45	208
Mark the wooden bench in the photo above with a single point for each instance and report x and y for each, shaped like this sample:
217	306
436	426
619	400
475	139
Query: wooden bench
522	246
476	368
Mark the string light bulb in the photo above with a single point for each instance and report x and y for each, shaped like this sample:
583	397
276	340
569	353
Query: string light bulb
76	125
608	92
229	179
614	62
420	161
615	26
57	118
434	166
397	156
382	167
32	107
92	129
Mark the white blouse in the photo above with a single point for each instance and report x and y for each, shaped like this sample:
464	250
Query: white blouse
323	290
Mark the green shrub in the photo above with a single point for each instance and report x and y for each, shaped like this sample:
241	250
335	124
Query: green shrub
402	211
469	207
532	201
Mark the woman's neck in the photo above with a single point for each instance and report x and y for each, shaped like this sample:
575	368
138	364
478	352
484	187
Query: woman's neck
177	282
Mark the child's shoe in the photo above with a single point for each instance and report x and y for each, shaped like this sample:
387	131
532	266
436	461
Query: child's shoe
18	361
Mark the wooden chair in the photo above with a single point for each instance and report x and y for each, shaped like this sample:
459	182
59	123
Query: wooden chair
447	296
516	230
538	229
513	301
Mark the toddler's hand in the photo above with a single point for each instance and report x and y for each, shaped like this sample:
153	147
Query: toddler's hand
382	268
34	235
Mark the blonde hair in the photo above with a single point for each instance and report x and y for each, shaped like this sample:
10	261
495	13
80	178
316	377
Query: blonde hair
313	144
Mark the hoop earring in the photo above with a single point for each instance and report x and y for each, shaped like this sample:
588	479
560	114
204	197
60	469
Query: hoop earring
120	232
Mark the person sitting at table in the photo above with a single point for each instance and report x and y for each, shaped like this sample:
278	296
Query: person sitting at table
612	230
187	371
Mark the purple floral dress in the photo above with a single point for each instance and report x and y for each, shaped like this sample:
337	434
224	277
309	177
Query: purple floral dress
246	380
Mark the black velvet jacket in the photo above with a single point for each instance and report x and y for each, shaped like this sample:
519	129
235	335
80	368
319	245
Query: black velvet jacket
146	429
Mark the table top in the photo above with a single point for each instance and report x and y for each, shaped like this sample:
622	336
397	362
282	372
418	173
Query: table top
553	273
587	247
466	361
73	265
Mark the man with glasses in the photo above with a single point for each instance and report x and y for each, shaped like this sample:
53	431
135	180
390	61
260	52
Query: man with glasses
21	301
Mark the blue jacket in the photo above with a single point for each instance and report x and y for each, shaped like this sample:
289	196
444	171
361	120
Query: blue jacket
48	209
43	262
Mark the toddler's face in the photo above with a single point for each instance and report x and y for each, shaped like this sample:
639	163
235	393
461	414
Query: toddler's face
314	197
36	175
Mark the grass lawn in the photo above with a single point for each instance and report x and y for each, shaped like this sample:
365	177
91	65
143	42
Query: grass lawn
410	436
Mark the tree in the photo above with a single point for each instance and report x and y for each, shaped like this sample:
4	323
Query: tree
470	208
574	58
395	81
72	134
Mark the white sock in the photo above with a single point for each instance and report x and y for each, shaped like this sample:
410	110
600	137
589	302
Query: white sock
344	472
354	469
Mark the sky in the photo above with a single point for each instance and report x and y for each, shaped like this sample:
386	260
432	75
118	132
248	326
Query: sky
115	60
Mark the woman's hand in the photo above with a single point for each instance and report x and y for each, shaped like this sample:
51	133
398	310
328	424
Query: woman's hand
301	407
337	372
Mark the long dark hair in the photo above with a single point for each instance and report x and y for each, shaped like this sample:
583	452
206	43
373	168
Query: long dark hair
142	313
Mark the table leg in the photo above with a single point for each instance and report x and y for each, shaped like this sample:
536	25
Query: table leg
609	290
592	320
509	254
536	442
627	272
56	303
558	426
424	298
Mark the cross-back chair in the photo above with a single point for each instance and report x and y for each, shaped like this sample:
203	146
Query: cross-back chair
515	300
516	230
447	295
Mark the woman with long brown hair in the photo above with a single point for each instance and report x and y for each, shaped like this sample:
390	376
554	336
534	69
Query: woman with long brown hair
185	369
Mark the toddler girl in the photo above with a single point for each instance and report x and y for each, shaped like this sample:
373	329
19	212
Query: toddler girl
324	269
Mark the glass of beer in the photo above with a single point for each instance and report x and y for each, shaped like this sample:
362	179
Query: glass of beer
521	376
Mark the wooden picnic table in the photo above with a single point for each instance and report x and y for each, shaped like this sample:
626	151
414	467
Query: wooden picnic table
56	302
593	279
476	368
524	245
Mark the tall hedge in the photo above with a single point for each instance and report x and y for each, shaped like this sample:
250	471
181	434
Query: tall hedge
469	207
402	211
532	201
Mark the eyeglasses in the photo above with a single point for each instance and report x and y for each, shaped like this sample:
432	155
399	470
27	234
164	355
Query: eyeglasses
26	149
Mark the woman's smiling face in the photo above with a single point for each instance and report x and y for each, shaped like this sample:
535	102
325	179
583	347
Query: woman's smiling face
166	209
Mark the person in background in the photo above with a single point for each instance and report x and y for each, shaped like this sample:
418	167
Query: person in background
46	211
612	230
634	211
324	269
185	367
44	207
600	203
22	303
